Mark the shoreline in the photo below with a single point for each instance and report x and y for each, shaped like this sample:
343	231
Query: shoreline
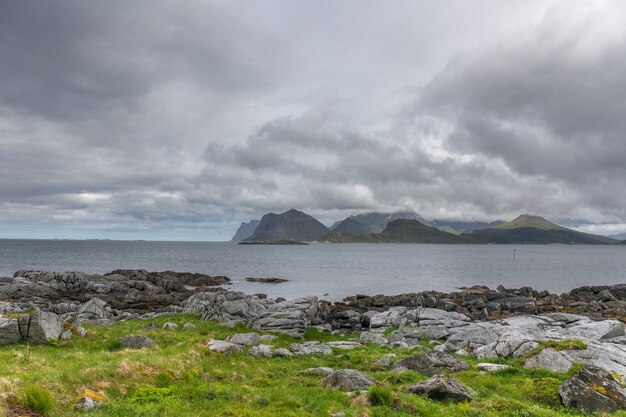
140	292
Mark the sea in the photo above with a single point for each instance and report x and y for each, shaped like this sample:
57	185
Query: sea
334	271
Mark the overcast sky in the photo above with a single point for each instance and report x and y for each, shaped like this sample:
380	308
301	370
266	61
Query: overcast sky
178	120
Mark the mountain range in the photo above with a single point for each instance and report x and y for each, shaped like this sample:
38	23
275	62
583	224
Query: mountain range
409	227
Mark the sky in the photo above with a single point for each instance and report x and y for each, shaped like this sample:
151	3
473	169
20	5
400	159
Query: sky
165	120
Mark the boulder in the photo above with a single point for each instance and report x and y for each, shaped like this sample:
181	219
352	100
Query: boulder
244	339
349	380
593	389
136	341
371	337
430	363
442	387
549	359
261	351
170	326
282	352
38	327
189	326
96	309
223	346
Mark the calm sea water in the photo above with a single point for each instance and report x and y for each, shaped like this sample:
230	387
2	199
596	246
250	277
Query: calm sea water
334	270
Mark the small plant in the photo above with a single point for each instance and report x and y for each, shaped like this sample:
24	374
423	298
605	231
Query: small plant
564	344
380	396
115	345
149	394
546	391
38	398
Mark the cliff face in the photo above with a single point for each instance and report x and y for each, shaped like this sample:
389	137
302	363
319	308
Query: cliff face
290	225
245	230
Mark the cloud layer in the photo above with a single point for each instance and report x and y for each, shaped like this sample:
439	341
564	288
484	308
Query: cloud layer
153	120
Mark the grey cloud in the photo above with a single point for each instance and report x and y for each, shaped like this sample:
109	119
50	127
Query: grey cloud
166	119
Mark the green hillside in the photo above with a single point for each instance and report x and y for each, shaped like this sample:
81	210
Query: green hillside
529	220
528	229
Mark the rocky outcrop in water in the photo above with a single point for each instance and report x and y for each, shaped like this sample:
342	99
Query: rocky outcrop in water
136	291
482	303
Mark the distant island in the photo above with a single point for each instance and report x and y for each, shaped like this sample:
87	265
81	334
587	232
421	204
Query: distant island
297	227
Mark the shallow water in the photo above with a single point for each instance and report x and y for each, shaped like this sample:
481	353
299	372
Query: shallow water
334	269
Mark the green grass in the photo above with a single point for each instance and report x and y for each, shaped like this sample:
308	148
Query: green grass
180	377
38	398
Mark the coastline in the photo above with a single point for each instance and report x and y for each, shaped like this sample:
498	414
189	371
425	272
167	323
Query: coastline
431	333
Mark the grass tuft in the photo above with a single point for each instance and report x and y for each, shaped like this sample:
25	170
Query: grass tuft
38	399
380	396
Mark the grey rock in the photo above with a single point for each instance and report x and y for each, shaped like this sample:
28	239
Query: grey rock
170	326
593	389
96	308
9	331
261	351
375	338
224	347
310	348
430	363
321	370
87	404
549	359
349	380
386	359
136	341
282	352
442	387
44	326
189	326
344	345
491	367
245	339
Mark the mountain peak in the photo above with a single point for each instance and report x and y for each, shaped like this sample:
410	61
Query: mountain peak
291	225
530	220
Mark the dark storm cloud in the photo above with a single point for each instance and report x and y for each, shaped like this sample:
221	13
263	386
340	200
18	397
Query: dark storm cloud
178	120
73	59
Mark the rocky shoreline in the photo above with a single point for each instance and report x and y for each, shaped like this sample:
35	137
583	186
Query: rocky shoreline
547	331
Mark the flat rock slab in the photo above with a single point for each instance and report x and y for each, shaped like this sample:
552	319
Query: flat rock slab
136	341
244	339
223	346
442	387
430	363
310	348
344	345
349	380
593	389
267	280
491	367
